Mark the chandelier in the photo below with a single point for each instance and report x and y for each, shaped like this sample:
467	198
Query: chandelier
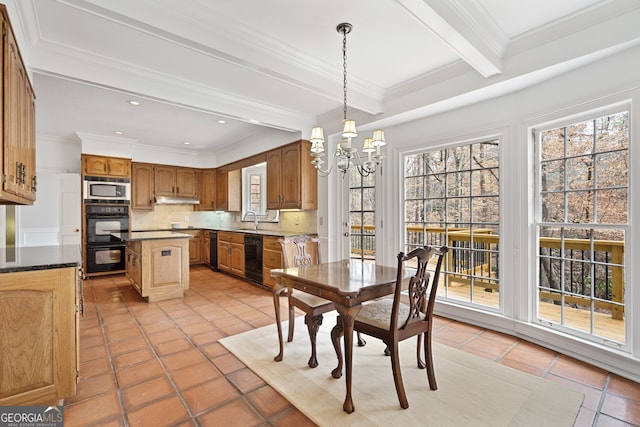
346	155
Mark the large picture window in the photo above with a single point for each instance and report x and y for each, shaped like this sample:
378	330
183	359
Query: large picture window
451	197
582	211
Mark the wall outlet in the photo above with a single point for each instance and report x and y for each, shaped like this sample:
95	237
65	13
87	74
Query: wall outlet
297	220
186	218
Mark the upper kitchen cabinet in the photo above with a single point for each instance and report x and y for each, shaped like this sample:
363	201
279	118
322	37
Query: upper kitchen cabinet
207	189
106	166
175	181
222	178
18	154
142	186
292	181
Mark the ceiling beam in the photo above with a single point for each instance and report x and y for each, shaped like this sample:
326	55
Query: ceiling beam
466	27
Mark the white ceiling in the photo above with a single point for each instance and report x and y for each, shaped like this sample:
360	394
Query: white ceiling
274	68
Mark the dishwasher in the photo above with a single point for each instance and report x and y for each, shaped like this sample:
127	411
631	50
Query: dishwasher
213	250
253	257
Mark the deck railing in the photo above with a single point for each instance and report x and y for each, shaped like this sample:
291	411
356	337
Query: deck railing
473	260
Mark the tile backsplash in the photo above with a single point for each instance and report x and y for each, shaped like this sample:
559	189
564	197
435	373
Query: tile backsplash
164	215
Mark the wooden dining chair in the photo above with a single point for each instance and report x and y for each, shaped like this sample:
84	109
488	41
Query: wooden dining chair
392	320
301	252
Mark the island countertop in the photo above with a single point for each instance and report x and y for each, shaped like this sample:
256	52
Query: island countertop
151	235
39	258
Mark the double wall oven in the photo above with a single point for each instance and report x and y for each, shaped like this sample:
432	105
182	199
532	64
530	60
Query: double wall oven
106	207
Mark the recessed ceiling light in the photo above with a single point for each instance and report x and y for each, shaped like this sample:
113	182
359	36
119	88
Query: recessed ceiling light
118	132
222	122
136	103
186	143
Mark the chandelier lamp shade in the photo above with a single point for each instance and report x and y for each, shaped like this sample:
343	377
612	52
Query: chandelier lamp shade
345	155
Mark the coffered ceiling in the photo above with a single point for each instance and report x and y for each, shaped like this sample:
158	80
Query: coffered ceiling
274	68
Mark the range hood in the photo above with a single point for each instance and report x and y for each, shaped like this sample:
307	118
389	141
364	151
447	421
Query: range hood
168	200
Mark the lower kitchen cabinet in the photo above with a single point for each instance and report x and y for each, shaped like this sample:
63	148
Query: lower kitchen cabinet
158	268
271	258
195	246
39	361
231	253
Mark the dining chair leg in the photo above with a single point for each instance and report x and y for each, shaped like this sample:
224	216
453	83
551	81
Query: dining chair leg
428	354
336	334
292	320
313	324
361	341
278	290
421	364
397	376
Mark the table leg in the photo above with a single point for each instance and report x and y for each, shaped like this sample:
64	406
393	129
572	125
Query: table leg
348	314
278	289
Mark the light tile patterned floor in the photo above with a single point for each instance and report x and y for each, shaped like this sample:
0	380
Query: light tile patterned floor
160	364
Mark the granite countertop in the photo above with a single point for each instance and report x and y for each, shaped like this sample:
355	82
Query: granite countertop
232	230
39	258
151	235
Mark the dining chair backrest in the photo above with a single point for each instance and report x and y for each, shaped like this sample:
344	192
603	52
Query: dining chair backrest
300	251
421	293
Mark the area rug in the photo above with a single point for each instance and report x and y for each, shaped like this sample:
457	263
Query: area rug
471	391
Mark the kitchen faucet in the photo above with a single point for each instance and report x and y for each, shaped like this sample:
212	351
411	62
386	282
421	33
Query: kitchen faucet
255	218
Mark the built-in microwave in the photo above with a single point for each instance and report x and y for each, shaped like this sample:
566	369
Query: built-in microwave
98	189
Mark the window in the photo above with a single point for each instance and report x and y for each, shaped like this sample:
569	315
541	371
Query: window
582	211
451	197
254	188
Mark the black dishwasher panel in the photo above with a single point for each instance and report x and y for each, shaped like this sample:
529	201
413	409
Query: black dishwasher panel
253	257
213	250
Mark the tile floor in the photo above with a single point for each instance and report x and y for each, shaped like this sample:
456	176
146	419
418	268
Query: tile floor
160	364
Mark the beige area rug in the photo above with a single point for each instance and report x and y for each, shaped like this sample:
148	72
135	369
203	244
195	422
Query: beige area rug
471	391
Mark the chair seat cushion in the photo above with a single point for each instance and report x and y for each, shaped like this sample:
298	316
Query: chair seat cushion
378	314
310	300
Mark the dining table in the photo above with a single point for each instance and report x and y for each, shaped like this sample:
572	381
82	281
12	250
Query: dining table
347	283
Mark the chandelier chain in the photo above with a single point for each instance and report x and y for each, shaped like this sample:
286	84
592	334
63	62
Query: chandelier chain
344	69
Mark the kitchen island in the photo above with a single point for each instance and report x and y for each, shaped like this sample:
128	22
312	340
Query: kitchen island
157	263
40	301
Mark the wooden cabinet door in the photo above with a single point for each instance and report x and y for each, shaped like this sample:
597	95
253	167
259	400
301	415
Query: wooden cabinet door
207	190
164	180
95	165
37	326
29	141
221	189
274	179
290	182
224	255
195	246
234	190
120	168
12	96
237	259
186	183
272	258
142	187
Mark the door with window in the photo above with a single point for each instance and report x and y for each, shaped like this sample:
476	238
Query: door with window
362	215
